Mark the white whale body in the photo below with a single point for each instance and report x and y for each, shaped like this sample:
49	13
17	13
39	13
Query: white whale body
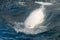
35	18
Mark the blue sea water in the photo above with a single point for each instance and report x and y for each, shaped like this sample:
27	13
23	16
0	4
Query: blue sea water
10	11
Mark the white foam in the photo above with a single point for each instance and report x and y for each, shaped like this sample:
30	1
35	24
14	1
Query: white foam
44	3
29	30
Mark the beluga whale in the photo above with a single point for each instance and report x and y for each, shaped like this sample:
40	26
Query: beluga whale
36	17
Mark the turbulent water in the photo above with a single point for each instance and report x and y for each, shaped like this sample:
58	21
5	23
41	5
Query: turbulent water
29	20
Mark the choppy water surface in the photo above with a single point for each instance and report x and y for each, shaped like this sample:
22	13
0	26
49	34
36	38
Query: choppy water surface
29	20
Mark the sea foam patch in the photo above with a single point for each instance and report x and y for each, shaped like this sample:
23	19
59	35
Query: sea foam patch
38	29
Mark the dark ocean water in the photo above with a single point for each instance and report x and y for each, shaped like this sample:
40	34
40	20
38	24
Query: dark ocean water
11	11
